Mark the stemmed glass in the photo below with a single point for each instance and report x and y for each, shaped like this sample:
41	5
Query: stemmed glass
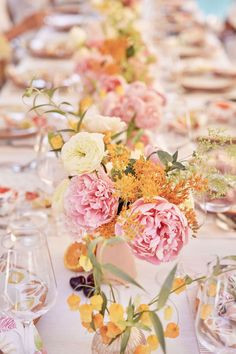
215	322
27	282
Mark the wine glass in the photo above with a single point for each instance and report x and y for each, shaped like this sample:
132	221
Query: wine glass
27	282
215	322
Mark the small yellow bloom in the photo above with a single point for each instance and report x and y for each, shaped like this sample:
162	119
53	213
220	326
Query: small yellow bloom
168	313
85	103
85	263
96	302
98	320
179	285
172	330
142	349
153	342
73	123
113	330
86	313
206	310
102	93
211	291
56	141
145	318
74	302
87	325
116	312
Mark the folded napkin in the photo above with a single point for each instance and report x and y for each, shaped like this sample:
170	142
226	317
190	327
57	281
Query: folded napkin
12	335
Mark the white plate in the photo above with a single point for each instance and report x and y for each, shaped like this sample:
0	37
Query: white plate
212	84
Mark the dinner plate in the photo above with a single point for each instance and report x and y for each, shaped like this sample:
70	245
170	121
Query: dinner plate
14	124
55	46
211	84
65	21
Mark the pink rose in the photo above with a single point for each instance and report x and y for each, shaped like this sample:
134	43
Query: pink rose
164	230
149	151
89	202
109	83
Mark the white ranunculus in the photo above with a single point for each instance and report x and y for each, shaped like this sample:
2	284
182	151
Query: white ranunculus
102	124
58	196
83	153
77	36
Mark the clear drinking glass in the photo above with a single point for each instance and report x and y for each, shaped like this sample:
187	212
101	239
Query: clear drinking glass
215	322
222	184
27	282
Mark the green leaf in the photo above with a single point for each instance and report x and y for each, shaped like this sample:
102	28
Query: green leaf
158	330
125	340
130	51
231	258
104	304
81	121
179	166
217	267
91	255
164	157
166	288
121	274
58	111
175	156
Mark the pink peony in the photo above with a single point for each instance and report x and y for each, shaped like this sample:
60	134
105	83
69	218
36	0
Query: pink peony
165	230
89	202
139	102
110	83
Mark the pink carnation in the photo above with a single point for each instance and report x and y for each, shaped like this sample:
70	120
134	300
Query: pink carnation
165	230
89	203
139	102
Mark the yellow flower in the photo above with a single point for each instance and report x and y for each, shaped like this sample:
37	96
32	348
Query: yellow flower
179	282
153	342
74	302
83	153
116	312
85	103
102	93
142	349
168	313
58	196
87	325
206	310
98	320
172	330
85	263
145	317
56	141
96	302
211	291
113	330
86	313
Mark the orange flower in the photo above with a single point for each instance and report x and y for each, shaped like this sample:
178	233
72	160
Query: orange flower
105	338
142	349
74	302
172	330
211	291
86	313
85	103
179	285
206	311
153	342
111	69
115	47
113	330
98	320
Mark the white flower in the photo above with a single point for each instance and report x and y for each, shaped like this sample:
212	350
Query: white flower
58	196
83	153
101	124
77	36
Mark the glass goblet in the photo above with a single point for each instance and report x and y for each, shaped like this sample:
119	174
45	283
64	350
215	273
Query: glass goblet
27	282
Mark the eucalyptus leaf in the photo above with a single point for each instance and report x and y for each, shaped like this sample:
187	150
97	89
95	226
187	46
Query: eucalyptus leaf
104	304
125	340
166	288
231	258
158	330
179	166
121	274
175	156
